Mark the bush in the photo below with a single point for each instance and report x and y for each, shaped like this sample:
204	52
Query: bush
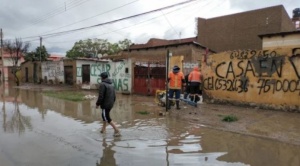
230	118
143	112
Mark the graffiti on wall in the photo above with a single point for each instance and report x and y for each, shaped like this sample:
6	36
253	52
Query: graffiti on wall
190	65
266	66
116	72
52	69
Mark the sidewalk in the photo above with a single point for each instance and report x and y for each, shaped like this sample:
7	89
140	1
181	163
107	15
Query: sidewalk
277	125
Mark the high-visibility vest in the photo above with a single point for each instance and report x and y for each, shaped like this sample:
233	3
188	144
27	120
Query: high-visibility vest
175	80
195	75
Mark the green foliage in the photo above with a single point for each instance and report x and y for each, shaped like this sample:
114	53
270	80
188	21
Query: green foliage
143	112
91	48
229	118
37	55
66	95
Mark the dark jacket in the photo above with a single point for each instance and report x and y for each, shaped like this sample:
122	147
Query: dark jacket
107	95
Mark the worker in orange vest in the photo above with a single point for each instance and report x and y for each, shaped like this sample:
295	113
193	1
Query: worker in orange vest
195	82
176	80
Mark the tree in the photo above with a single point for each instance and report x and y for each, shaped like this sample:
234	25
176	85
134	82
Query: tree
37	55
16	50
93	47
125	44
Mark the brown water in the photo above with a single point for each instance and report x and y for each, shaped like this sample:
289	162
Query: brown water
37	130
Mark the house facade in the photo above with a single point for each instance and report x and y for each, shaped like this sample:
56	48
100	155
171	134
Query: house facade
31	72
88	71
281	40
82	72
149	61
241	30
53	72
7	65
267	78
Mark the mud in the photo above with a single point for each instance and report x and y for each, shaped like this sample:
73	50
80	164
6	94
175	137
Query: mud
270	124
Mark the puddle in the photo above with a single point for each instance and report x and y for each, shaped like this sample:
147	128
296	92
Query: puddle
38	130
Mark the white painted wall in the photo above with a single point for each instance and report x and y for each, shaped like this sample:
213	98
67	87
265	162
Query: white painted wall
53	70
7	61
122	81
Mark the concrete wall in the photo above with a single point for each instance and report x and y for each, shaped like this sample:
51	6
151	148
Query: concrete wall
30	67
117	72
261	78
7	68
53	72
189	51
241	30
191	54
285	40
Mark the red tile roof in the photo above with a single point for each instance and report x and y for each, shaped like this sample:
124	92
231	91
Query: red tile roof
54	57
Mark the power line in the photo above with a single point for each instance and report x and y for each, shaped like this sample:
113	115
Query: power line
196	8
128	26
59	10
94	16
55	12
168	22
111	22
185	19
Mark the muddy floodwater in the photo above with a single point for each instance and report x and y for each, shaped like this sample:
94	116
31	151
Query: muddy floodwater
37	130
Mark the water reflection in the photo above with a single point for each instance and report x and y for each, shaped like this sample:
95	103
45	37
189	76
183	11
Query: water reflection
59	132
14	121
108	153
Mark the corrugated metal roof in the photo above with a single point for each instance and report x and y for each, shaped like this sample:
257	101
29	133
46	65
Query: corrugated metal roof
152	43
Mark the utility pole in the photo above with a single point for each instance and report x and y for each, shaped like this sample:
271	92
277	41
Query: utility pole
1	52
40	49
40	68
167	75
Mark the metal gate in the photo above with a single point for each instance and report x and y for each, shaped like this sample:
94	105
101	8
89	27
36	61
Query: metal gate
149	77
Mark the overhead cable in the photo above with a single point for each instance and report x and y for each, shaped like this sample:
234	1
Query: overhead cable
111	22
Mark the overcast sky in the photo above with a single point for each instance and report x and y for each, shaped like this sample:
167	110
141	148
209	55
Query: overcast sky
29	19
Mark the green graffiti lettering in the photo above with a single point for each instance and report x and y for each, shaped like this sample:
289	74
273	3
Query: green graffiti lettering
125	83
107	68
93	70
98	66
103	68
118	69
115	83
120	84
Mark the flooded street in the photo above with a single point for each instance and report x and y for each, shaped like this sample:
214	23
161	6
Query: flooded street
37	130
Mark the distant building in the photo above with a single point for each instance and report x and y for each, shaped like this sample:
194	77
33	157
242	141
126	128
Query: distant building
7	61
281	40
149	61
241	30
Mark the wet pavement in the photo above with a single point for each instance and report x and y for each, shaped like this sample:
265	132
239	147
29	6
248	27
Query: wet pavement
37	130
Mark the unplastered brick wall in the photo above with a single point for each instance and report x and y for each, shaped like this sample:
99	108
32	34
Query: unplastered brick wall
260	78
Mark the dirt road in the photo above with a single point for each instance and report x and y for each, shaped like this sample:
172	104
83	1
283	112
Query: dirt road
270	124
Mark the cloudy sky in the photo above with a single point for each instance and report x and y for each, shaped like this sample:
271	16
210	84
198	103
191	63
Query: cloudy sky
55	20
